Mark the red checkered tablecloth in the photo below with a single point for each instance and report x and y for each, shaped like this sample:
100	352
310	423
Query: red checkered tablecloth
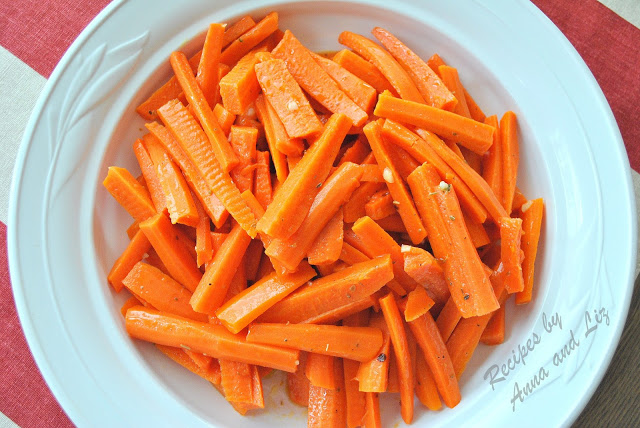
35	34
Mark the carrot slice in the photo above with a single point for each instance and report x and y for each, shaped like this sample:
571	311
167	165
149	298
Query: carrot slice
285	144
211	374
129	303
384	62
165	239
319	370
248	305
243	142
510	253
393	223
328	244
212	288
298	383
333	291
194	142
207	75
510	158
223	152
355	206
426	271
262	186
492	165
213	340
240	88
355	399
431	88
373	374
315	80
532	213
334	193
417	304
286	97
380	205
448	319
291	203
250	39
150	175
493	334
426	389
363	69
355	343
279	158
237	382
135	251
451	80
356	153
401	351
129	193
327	406
477	232
518	199
371	417
397	187
161	291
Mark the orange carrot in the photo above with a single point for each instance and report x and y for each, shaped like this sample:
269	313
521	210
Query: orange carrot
250	39
384	62
356	153
397	187
298	383
285	144
357	89
363	69
150	175
319	370
240	88
373	374
518	200
431	88
403	161
243	142
213	340
178	199
380	205
286	212
223	152
417	304
393	223
135	251
238	382
477	233
510	253
510	158
333	291
371	417
279	158
211	374
426	271
195	144
532	213
212	288
417	147
209	201
426	389
328	244
401	351
355	206
355	399
237	29
451	80
315	80
252	258
355	343
207	75
448	319
129	193
334	192
351	255
248	305
161	291
493	334
165	239
262	185
224	117
129	303
492	165
286	97
326	406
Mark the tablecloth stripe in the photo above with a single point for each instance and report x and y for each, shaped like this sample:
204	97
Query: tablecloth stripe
629	10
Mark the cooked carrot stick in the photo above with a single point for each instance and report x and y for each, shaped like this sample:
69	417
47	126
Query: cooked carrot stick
194	142
493	333
239	88
129	303
279	158
413	144
426	271
286	97
161	291
207	75
417	304
236	381
393	223
357	152
129	193
150	175
510	253
477	232
519	199
334	315
165	239
213	286
380	205
432	89
209	201
400	349
373	374
328	244
351	255
135	251
237	29
451	80
435	62
492	165
356	400
371	417
384	62
211	374
252	258
334	193
213	340
355	343
223	152
327	406
250	39
357	89
363	69
510	158
225	118
448	319
426	389
291	203
315	80
333	291
397	187
257	395
298	383
375	241
471	178
285	144
248	305
179	201
532	213
355	206
243	142
403	161
262	185
319	370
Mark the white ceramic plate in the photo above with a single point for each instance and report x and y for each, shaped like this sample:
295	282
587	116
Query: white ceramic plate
65	231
